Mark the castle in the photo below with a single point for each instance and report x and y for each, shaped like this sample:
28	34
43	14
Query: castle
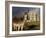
31	16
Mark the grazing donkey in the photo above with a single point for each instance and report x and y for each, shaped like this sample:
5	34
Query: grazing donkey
17	23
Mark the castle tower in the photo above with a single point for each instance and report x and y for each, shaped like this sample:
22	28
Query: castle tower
25	16
32	15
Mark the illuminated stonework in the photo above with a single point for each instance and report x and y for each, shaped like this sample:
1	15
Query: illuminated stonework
32	15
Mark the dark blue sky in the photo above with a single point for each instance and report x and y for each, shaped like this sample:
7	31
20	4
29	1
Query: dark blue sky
19	11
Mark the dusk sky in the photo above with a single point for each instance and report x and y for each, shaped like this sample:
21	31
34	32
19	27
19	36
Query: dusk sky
19	11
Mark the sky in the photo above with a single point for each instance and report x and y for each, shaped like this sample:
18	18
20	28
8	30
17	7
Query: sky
19	11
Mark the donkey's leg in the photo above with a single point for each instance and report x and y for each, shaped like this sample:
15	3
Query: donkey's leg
18	27
21	27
